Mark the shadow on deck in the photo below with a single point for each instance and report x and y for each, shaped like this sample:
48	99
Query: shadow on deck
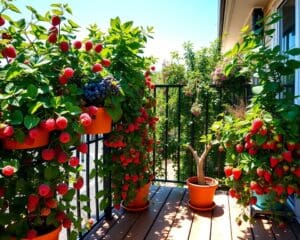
169	217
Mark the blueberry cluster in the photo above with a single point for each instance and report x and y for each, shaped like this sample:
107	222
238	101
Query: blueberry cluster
97	91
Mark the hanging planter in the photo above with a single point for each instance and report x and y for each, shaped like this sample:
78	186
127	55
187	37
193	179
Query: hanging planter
42	139
101	123
140	202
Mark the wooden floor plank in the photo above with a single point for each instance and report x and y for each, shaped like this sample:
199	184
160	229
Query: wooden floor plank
295	227
146	219
183	221
221	225
125	221
242	231
262	230
162	225
283	233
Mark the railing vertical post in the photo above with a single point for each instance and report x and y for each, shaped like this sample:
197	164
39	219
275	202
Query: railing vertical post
87	177
179	131
154	137
192	141
206	122
166	133
97	178
107	181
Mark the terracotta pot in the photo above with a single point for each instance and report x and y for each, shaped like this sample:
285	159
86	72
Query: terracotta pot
53	235
40	141
141	199
101	123
202	196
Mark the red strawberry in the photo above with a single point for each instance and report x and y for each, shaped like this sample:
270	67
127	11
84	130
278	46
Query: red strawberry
31	234
263	131
85	119
2	21
279	189
48	154
77	44
236	173
8	131
61	123
252	151
62	157
52	38
297	172
239	148
44	190
68	72
55	20
34	133
83	148
228	171
98	48
97	67
256	125
287	156
273	161
64	137
260	172
67	223
253	185
50	124
51	203
232	192
8	170
92	110
253	200
88	45
291	145
78	184
64	46
105	62
45	212
10	52
152	68
279	171
268	176
290	189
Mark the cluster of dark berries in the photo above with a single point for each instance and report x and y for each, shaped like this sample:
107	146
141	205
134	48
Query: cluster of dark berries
96	92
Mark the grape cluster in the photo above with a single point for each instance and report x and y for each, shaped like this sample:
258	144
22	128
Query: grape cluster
95	92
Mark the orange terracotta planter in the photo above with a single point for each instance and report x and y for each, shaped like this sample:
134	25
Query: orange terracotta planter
101	123
40	141
140	202
53	235
201	196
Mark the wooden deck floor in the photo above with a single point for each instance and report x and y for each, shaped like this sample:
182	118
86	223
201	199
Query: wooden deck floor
169	217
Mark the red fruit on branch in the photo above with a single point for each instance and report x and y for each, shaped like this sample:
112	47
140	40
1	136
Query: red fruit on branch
45	212
252	151
50	124
268	176
279	171
67	223
260	172
98	48
152	68
44	190
97	67
62	157
236	173
92	110
105	62
52	38
291	145
228	171
273	161
287	156
68	72
263	131
232	192
77	44
277	138
74	161
64	46
48	154
2	21
34	133
253	200
8	170
239	148
31	234
9	51
88	45
62	188
256	125
279	189
8	131
60	216
61	123
64	137
83	148
253	185
78	184
290	189
55	20
85	119
51	203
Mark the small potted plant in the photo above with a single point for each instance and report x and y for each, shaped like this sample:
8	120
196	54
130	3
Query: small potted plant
101	98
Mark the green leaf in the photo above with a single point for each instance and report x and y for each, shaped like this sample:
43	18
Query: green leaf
260	139
294	51
20	24
51	173
13	8
83	198
19	135
16	117
257	89
33	108
69	195
32	91
73	24
31	121
100	194
228	69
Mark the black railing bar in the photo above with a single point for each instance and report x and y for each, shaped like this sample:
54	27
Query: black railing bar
87	177
168	181
96	178
95	226
166	133
107	181
154	136
78	198
179	132
87	142
206	123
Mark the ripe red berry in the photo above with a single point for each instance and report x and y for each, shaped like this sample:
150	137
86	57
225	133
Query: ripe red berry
64	137
92	110
62	157
52	38
287	156
62	188
61	123
55	20
64	46
49	124
260	172
2	21
8	170
253	200
85	119
105	62
236	173
273	161
152	68
78	184
44	190
239	148
60	216
290	189
34	133
88	45
6	36
252	151
31	233
256	125
97	67
9	51
51	203
77	44
267	176
63	79
228	171
263	131
83	148
48	154
74	161
291	145
232	192
67	223
68	72
98	48
8	131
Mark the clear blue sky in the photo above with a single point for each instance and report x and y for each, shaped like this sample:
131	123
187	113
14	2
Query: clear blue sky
174	21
